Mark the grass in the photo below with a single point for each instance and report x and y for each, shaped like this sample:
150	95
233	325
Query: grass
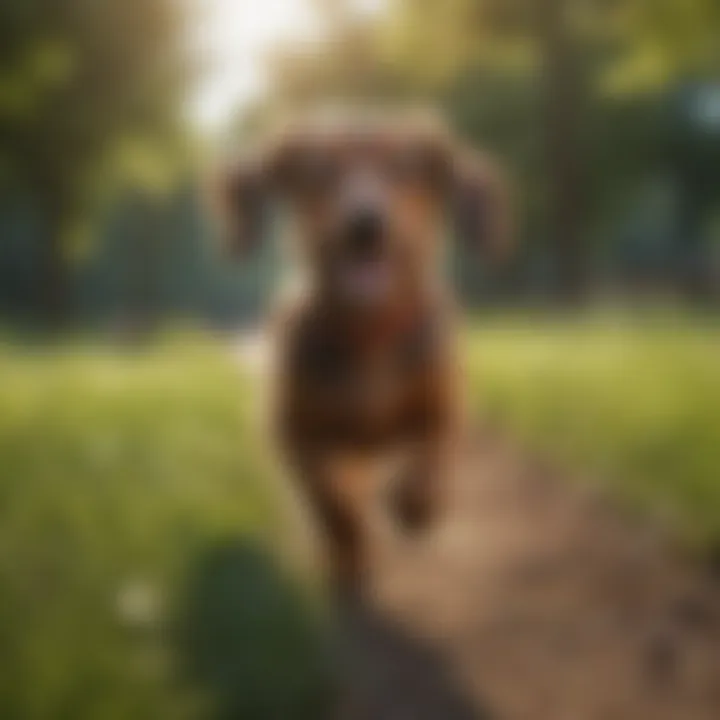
635	404
143	563
141	573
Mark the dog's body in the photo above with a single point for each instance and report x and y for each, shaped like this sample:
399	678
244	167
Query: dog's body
343	394
367	358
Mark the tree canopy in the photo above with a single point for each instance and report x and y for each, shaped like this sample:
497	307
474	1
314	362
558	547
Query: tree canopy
89	90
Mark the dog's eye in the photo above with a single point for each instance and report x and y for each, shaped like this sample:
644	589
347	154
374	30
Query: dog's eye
316	172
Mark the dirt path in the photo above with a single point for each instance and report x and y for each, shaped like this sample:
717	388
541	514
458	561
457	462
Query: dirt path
534	601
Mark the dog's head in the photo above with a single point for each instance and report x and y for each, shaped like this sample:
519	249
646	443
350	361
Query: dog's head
370	200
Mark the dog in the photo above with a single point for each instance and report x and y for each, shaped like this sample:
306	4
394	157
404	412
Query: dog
367	351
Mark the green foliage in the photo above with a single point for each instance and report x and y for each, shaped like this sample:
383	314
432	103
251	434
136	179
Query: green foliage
141	545
92	73
490	65
661	42
636	404
91	96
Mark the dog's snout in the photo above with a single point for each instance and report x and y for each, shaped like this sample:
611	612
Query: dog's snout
365	231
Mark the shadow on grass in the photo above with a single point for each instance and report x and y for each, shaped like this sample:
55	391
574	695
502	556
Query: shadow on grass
250	641
258	649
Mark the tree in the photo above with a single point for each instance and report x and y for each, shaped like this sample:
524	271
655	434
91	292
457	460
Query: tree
86	88
572	94
564	164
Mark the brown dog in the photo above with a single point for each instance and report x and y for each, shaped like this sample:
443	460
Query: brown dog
367	356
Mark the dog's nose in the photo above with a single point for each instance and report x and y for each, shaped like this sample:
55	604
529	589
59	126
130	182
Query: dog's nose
365	228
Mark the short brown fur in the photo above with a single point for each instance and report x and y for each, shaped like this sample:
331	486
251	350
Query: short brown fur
357	380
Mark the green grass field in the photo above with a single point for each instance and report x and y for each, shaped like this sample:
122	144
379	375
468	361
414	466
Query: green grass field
142	570
634	404
143	563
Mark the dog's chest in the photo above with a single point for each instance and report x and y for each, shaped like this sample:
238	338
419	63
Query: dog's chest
368	385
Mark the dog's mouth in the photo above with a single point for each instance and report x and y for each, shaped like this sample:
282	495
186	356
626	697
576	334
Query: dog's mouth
367	281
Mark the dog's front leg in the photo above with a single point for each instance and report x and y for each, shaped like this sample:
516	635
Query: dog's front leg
335	493
418	497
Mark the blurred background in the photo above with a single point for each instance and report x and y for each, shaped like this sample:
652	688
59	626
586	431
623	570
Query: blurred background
606	114
147	568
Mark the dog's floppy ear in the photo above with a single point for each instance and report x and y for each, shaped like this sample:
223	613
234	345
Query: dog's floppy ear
238	199
481	205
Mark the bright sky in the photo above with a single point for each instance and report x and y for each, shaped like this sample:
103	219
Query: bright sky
234	37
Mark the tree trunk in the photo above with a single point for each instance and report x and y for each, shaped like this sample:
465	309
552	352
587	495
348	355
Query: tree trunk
52	287
562	137
143	270
693	261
